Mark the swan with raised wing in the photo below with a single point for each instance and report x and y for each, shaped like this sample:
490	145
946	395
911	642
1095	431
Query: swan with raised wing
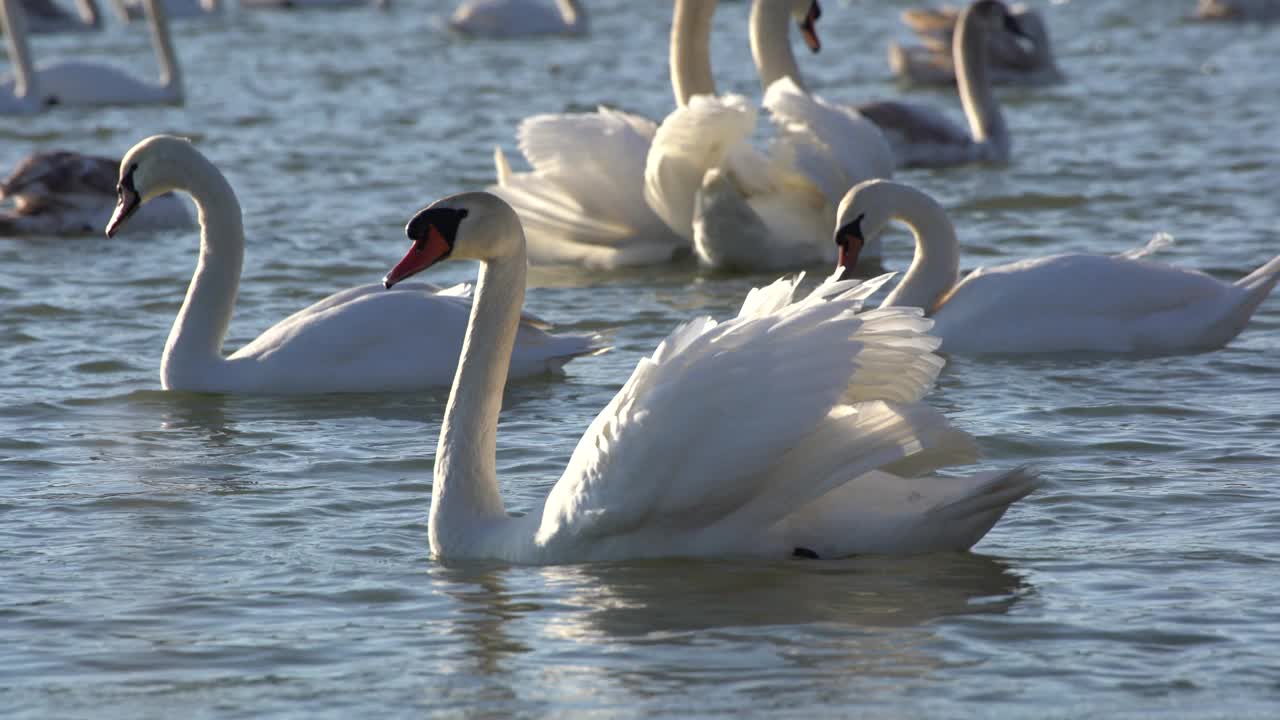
1071	302
923	137
357	340
68	193
803	459
80	83
519	18
1010	62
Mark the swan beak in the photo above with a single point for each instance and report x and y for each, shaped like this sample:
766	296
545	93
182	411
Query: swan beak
127	204
809	29
425	252
850	244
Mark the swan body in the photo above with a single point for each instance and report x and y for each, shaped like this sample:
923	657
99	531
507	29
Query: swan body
89	84
1010	63
519	18
1238	10
921	136
806	458
356	340
1070	302
45	17
67	193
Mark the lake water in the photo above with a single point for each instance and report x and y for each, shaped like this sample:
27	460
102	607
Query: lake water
171	554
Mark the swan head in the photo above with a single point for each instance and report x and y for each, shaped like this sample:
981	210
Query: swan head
151	168
467	226
862	216
806	13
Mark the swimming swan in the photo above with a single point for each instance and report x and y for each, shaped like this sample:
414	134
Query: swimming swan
1072	302
782	432
358	340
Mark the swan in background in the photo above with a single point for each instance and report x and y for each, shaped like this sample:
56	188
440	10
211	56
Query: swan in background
67	193
359	340
74	82
1009	61
19	94
46	16
1073	302
922	137
519	18
311	4
584	201
807	459
130	10
753	211
1238	10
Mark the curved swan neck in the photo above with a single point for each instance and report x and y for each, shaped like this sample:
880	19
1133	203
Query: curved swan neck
15	26
691	49
170	74
770	36
973	79
936	266
197	334
465	490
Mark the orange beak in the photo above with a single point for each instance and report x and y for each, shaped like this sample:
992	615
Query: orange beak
424	253
850	245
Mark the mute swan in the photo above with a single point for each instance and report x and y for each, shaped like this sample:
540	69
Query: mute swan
584	201
82	83
922	137
1009	61
66	193
690	460
744	209
1073	302
45	16
357	340
519	18
20	94
1238	10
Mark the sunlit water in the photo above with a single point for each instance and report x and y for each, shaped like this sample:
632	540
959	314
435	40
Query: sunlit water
170	554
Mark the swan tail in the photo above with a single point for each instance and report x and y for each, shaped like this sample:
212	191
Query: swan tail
1263	279
1257	286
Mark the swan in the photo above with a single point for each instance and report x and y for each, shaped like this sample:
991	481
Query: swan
519	18
74	82
357	340
67	193
20	94
922	137
584	203
45	16
1009	61
130	10
310	4
1238	10
1072	302
786	431
745	209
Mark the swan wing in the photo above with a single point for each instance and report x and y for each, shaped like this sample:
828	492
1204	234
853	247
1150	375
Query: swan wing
694	432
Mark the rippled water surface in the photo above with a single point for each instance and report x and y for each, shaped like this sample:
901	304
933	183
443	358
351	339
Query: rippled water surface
171	554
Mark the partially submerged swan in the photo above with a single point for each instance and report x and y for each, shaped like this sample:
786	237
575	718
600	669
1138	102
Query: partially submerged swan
1072	302
819	455
362	339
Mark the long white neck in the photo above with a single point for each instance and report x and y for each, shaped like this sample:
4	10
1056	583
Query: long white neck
15	31
571	12
691	50
195	341
936	266
770	35
465	502
170	74
973	78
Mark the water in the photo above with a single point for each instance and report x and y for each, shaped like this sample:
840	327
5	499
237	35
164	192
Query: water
169	553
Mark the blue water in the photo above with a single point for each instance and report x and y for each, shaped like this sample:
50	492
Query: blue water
168	554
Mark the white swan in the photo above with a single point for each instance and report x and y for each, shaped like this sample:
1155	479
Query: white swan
1238	10
1010	62
358	340
519	18
45	16
1073	302
923	137
67	193
775	434
745	209
73	82
584	203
